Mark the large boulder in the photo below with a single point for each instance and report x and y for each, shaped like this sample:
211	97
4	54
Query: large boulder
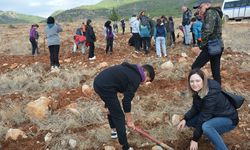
38	109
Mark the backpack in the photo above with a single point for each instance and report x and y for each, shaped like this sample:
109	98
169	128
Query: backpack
235	100
109	33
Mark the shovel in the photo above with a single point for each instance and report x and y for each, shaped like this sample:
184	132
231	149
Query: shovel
146	135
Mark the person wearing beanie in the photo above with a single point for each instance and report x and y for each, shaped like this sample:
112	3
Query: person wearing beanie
109	36
91	38
52	34
124	78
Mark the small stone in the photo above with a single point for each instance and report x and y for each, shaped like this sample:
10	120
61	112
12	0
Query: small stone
102	65
157	148
86	90
48	137
184	55
176	119
109	148
13	66
5	64
72	143
14	134
167	65
67	60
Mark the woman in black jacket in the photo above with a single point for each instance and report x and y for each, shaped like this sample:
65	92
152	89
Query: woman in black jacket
91	38
211	112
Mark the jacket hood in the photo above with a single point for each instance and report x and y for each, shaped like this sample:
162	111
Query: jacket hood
214	86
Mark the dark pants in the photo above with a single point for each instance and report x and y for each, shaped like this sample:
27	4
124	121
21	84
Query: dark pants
91	49
34	45
145	44
137	41
109	46
116	115
123	30
172	37
204	57
54	55
193	37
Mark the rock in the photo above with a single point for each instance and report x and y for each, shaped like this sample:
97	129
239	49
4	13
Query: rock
157	148
109	148
135	56
102	65
38	109
5	64
176	119
72	143
68	60
23	66
167	65
80	63
248	105
86	90
48	137
184	55
13	66
14	134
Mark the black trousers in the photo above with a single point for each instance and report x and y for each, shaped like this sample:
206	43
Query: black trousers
54	55
172	37
123	30
116	115
137	42
204	57
145	43
34	45
91	49
109	46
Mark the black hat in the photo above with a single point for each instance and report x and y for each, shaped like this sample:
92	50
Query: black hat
50	20
88	22
150	70
199	2
35	25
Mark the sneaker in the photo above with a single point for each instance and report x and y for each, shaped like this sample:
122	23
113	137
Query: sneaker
93	58
131	148
113	135
165	55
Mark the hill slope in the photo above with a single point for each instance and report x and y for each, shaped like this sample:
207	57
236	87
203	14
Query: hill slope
126	8
10	17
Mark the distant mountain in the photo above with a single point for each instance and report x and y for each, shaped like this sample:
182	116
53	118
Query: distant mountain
11	17
126	8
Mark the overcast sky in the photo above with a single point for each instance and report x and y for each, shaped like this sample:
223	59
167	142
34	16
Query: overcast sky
42	8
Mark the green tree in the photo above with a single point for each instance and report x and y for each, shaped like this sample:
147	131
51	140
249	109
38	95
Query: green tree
114	15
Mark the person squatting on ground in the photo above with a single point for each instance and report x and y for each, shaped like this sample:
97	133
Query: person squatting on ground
134	22
80	38
34	38
211	30
124	78
186	18
171	30
52	34
109	36
160	38
211	112
90	38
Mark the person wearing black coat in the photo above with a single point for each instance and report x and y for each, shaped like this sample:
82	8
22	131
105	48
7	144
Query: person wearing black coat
91	38
124	78
211	112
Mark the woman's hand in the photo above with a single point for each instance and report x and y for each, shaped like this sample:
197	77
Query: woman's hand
193	145
131	124
181	125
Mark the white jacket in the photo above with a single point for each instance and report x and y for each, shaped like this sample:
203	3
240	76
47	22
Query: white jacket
134	23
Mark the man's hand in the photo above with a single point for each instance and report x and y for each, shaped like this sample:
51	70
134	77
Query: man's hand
130	122
196	50
193	145
181	125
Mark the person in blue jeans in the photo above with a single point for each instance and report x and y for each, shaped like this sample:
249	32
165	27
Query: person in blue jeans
211	112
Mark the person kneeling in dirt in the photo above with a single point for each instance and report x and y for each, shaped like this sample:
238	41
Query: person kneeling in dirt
80	38
211	112
124	78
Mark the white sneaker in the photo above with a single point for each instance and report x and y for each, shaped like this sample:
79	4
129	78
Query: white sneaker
113	135
56	68
131	148
93	58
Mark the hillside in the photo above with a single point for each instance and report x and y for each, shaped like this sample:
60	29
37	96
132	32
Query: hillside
11	17
126	8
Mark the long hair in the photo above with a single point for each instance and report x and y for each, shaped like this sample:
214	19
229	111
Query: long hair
204	90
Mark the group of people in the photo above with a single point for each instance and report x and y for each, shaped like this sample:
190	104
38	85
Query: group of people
211	114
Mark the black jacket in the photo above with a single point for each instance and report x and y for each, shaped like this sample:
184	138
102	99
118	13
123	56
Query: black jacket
186	17
214	104
90	34
124	78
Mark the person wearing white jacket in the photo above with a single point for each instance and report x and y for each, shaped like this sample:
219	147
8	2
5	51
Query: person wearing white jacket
134	23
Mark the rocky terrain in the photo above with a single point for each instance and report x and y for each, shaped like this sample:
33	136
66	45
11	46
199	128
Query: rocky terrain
40	110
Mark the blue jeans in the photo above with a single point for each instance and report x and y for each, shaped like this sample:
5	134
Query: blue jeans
187	34
213	128
160	43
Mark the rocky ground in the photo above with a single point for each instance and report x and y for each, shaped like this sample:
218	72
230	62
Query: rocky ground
52	111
